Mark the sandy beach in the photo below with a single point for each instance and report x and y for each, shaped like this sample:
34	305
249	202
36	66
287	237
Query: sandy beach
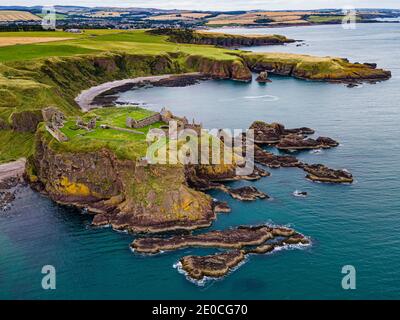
86	97
12	169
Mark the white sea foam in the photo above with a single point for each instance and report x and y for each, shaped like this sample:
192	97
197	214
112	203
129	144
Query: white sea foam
120	231
266	97
316	151
298	193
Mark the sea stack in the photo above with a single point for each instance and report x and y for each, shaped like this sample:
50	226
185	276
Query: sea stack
263	77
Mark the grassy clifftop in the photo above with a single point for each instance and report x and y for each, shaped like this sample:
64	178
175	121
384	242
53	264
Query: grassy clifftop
313	68
220	39
125	145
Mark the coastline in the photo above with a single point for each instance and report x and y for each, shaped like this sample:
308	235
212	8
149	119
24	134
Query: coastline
86	98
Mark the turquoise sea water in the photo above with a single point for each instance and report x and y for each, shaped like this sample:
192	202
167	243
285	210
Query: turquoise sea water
350	224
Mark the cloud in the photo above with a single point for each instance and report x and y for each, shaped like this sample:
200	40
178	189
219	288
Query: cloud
221	5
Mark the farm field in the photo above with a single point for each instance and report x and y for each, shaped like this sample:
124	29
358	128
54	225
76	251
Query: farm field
17	16
10	41
254	18
99	40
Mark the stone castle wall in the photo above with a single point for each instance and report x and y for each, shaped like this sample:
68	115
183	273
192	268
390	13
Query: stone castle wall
144	122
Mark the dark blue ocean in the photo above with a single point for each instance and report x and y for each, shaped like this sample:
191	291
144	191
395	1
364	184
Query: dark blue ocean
349	224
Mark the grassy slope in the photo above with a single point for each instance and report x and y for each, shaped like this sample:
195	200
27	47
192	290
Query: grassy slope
14	145
51	74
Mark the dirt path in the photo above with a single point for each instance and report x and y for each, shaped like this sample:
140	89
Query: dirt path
12	169
86	97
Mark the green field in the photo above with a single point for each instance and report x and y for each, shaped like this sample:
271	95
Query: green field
327	18
134	42
59	16
33	51
124	144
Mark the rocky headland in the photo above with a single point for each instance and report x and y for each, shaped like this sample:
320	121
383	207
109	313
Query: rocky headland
307	67
122	193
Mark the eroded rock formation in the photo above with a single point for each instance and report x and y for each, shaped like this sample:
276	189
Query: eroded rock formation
296	142
215	266
248	193
238	238
220	264
265	133
242	241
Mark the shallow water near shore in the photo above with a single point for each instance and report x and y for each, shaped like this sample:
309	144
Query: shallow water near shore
349	224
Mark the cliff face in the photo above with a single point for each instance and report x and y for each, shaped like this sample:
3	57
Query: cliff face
223	69
121	193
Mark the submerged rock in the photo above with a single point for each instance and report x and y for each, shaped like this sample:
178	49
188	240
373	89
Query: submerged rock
6	199
298	193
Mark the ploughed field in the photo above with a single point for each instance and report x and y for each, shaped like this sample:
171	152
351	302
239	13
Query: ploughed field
11	15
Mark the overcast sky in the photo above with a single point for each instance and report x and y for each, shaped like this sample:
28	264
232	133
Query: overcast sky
216	4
